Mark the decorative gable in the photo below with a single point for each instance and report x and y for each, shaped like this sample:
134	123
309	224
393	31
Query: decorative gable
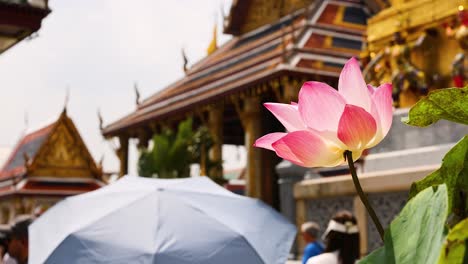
64	154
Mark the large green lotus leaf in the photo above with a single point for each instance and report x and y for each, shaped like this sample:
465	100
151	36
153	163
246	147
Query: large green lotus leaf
416	235
450	104
454	173
377	256
454	250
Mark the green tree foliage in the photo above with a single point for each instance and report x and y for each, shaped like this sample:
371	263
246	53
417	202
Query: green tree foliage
173	152
170	156
201	144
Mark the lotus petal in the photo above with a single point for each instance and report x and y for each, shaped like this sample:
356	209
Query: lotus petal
320	106
308	149
356	128
352	86
268	139
288	115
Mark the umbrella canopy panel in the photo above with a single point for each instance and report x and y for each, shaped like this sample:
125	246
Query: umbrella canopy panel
139	220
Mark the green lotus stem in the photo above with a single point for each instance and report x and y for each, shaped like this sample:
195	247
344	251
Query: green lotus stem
349	157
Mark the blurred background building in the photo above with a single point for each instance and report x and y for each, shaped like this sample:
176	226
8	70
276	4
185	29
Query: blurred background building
46	165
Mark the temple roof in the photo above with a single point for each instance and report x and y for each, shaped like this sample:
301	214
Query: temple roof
310	42
52	160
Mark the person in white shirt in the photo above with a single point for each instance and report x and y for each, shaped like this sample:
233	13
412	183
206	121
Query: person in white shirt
341	239
8	260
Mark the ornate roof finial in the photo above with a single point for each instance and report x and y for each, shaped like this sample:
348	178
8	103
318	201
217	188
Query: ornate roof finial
101	122
214	41
67	98
137	93
101	161
26	120
184	57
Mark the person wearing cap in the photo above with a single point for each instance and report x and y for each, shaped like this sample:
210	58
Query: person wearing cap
342	241
18	245
310	231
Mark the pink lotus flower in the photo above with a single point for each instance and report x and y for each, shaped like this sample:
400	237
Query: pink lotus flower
325	122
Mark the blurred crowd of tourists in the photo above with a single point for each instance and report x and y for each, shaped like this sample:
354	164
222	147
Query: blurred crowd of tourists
340	241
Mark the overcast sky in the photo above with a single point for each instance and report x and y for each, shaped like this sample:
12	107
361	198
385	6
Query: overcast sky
99	49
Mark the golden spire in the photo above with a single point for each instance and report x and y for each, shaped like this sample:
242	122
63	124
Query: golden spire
67	98
214	42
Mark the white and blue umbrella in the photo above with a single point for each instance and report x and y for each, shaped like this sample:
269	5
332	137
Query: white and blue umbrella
181	221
